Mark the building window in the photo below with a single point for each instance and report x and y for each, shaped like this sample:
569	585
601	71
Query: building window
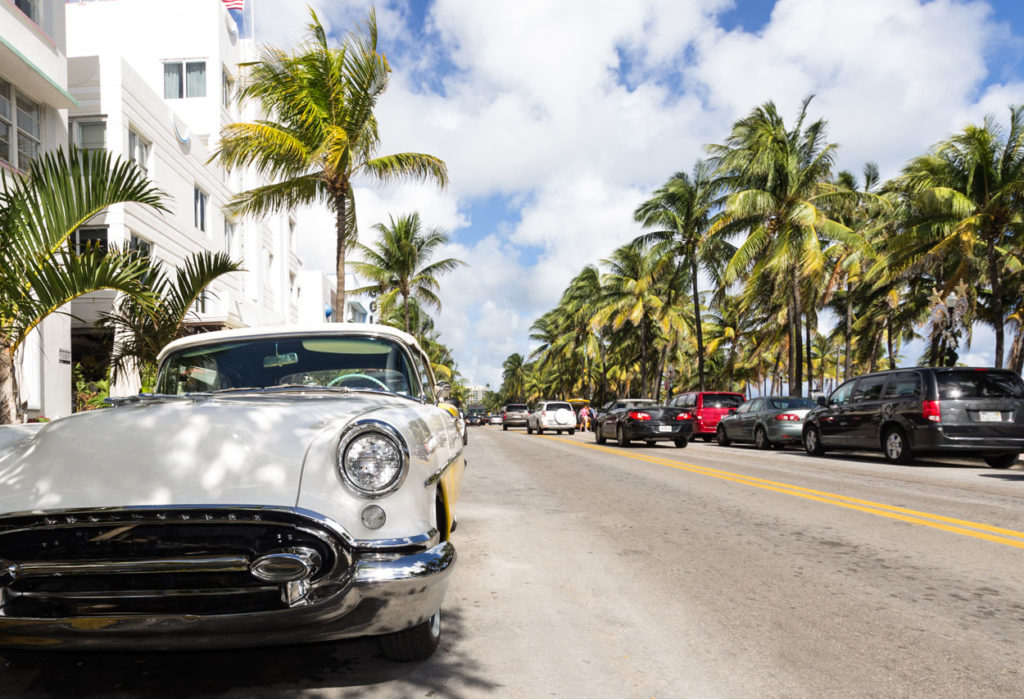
6	122
200	304
229	237
226	88
184	79
140	246
89	238
91	135
200	208
30	8
138	151
29	131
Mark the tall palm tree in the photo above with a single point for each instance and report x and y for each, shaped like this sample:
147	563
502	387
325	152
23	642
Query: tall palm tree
681	211
320	132
399	264
780	183
967	193
513	378
141	331
39	274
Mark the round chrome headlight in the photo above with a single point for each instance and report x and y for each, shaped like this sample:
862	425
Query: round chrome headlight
372	459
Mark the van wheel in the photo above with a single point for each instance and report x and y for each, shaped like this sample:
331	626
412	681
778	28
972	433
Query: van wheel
894	444
812	441
706	437
1002	460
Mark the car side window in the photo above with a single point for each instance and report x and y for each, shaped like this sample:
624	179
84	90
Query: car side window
423	374
906	384
842	395
747	407
869	388
690	400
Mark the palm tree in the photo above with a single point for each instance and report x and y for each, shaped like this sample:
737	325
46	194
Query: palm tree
39	274
780	183
399	264
320	133
513	378
966	195
681	210
141	331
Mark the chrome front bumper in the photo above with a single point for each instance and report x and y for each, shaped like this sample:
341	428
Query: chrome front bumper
386	593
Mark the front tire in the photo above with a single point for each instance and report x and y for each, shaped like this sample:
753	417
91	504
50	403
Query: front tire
1002	460
620	436
416	643
723	439
812	441
598	437
895	446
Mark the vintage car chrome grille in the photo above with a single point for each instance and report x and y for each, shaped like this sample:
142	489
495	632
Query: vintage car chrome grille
161	561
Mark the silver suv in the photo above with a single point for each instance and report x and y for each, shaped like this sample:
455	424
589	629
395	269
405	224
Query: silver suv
556	415
514	415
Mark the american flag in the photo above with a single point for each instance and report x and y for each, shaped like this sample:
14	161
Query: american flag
234	4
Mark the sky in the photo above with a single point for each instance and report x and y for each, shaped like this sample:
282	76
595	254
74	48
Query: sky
557	119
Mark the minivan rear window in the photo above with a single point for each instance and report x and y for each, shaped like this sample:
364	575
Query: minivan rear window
721	401
979	384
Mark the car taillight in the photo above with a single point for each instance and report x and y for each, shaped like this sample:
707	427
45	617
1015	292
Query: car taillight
788	417
543	413
637	415
930	410
699	414
504	416
684	416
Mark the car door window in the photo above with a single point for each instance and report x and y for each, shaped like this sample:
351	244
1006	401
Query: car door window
905	384
747	407
869	388
843	394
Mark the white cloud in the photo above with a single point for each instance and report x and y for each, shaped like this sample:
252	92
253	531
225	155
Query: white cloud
576	111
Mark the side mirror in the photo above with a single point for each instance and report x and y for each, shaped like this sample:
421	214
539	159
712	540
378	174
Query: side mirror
822	401
443	390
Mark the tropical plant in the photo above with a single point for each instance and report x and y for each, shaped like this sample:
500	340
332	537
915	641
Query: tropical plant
320	133
399	264
140	331
39	273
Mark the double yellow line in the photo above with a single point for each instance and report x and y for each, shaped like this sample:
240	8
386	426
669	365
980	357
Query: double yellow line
987	532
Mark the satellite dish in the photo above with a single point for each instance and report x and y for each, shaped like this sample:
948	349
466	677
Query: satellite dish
181	130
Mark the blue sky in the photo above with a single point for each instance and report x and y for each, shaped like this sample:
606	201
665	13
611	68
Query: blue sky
556	119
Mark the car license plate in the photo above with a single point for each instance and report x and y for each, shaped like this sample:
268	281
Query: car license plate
990	416
664	428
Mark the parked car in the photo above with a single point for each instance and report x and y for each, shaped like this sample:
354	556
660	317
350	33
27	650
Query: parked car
643	420
772	421
514	415
924	410
554	415
284	486
474	419
707	407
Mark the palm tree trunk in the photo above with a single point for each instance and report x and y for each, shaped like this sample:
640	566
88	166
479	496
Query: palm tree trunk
696	321
810	357
997	301
405	303
1016	362
8	400
341	236
797	385
848	367
888	341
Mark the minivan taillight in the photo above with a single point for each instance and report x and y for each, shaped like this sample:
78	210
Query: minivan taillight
930	410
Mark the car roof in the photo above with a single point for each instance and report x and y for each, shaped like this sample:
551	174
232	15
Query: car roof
256	333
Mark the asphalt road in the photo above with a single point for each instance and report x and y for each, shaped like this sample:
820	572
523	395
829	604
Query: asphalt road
590	571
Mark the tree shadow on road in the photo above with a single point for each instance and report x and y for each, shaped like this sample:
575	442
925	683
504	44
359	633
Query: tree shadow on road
347	667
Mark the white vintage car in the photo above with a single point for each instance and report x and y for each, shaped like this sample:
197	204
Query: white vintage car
283	485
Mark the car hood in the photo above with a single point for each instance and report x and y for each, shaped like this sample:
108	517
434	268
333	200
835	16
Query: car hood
224	450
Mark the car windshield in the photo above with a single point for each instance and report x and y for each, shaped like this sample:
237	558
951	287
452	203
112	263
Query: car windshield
558	406
979	384
343	362
791	404
518	407
722	400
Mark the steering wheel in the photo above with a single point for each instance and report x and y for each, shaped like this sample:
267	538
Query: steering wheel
345	377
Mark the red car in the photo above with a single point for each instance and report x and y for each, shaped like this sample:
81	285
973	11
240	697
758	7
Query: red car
708	407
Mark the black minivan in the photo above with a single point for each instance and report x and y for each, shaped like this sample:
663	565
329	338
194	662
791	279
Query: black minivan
923	410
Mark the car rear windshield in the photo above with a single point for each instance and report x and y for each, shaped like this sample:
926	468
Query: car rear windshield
517	407
979	384
558	406
791	403
722	400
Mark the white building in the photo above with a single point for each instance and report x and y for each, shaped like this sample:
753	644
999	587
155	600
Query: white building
33	100
160	97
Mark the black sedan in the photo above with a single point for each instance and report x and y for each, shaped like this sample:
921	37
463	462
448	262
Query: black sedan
643	420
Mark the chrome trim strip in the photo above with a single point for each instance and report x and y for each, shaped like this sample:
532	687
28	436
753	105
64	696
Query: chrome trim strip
198	564
148	594
439	473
